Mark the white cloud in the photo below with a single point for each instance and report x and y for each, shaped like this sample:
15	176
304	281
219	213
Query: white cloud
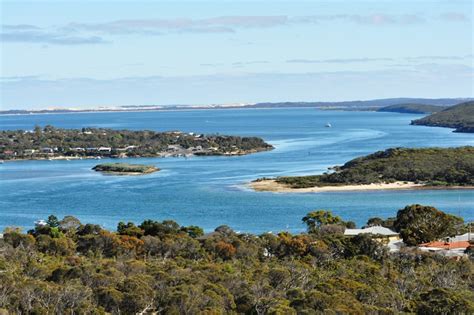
91	33
412	59
33	34
222	24
20	27
338	60
418	58
378	19
454	17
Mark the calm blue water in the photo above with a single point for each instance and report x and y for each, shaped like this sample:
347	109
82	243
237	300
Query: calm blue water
210	191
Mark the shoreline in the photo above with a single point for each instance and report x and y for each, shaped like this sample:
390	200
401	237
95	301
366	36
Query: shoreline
270	185
162	155
125	169
111	173
91	111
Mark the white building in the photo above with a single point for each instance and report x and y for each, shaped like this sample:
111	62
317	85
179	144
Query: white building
375	230
466	237
104	149
40	223
394	242
451	246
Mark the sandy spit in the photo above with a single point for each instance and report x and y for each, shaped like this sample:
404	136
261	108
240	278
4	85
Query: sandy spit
272	186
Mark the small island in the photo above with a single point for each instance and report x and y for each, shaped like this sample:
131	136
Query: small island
397	168
125	169
460	117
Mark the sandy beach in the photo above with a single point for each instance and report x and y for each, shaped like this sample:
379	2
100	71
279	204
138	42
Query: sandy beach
272	186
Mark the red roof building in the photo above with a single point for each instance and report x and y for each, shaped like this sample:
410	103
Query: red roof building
446	245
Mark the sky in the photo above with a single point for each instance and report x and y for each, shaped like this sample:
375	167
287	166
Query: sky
84	54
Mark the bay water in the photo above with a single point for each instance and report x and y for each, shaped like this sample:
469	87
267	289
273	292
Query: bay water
211	191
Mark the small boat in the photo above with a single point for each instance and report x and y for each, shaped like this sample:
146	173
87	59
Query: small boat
2	161
328	125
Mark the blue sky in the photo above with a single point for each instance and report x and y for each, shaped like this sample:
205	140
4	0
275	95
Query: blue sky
90	53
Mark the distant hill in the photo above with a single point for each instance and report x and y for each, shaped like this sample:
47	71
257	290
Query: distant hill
460	117
412	108
377	103
344	105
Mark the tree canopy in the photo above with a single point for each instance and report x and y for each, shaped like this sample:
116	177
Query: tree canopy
412	108
429	166
164	268
460	117
421	224
87	142
316	219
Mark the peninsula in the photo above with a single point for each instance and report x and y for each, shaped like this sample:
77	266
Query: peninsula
460	117
398	168
412	108
51	143
125	169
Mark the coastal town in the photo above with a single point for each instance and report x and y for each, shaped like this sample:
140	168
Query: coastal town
51	143
451	247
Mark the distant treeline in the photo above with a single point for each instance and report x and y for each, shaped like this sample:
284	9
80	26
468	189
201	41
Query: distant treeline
348	104
377	103
430	166
412	108
160	267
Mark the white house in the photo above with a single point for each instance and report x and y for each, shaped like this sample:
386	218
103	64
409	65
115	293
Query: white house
40	223
450	247
375	230
466	237
47	150
104	149
394	242
127	148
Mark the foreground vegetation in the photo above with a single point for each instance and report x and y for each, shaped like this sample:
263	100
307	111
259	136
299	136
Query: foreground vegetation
66	267
412	108
50	142
430	166
460	117
124	168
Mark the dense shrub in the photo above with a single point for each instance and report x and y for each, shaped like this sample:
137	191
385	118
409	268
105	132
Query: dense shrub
432	166
163	268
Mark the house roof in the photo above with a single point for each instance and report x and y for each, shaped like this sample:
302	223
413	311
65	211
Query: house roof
455	252
446	245
371	230
207	236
